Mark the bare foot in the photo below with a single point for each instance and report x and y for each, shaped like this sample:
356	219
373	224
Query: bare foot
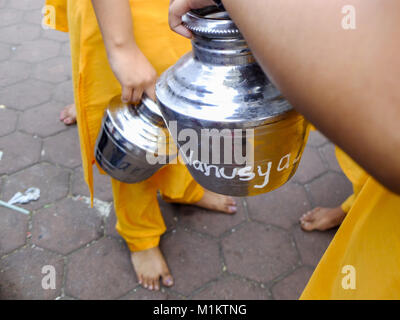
68	115
150	266
322	219
217	202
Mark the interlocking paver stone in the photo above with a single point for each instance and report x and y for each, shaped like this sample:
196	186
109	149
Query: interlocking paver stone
63	149
26	94
312	245
231	288
102	185
26	4
18	151
13	228
33	16
55	70
260	253
3	3
101	271
18	33
21	274
8	121
211	222
65	226
55	35
328	154
9	17
293	285
316	139
37	50
281	207
52	182
12	72
43	120
193	260
311	166
5	51
66	49
64	92
109	228
329	190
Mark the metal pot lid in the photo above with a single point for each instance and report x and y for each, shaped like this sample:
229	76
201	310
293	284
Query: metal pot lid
211	22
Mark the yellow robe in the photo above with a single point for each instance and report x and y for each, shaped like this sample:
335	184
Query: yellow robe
363	259
139	220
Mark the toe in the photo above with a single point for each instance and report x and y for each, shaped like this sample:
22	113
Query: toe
308	217
230	201
63	115
150	285
231	209
315	210
156	284
140	279
145	283
67	121
167	280
307	226
230	205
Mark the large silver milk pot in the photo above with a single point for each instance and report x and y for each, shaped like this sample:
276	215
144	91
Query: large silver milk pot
133	142
221	109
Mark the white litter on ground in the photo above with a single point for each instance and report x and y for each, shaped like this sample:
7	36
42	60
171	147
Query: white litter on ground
102	207
1	155
32	194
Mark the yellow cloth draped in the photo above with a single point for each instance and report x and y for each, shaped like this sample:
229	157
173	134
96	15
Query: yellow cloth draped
368	241
139	219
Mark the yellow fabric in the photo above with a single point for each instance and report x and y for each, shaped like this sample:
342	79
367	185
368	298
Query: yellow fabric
60	10
368	240
139	218
354	173
142	227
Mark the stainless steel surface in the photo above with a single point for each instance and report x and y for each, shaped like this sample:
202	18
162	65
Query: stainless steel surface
129	137
220	86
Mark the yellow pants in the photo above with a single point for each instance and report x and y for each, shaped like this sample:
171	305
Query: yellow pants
139	220
363	259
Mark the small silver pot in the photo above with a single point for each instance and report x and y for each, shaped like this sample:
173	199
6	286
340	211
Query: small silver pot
133	142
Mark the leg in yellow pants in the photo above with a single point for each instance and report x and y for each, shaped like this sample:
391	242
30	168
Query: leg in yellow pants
139	219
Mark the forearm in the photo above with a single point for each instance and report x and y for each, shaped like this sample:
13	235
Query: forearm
346	82
115	22
131	68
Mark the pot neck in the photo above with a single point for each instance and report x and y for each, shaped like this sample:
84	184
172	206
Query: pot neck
223	52
216	39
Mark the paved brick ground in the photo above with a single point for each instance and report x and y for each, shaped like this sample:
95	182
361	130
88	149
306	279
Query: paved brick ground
260	253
